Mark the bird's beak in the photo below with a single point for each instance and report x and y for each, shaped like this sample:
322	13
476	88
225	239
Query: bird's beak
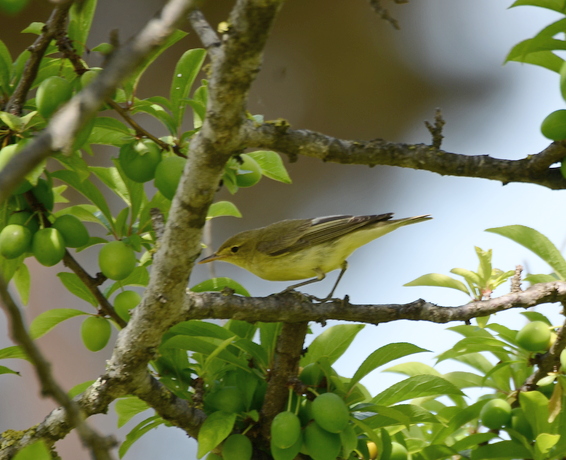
210	258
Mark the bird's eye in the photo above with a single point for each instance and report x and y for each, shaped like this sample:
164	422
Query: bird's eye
234	249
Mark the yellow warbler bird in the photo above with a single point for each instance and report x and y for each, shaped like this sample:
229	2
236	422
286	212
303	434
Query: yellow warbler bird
302	248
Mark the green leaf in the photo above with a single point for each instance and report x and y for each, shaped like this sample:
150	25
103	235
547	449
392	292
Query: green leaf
80	20
13	352
525	52
535	242
129	407
401	414
139	277
112	179
546	441
36	451
184	76
131	84
157	111
474	345
438	280
47	320
215	429
382	356
413	368
332	343
109	131
140	429
535	406
271	165
556	5
79	388
7	370
418	386
12	121
268	334
219	284
501	450
536	279
223	208
86	188
473	440
76	286
5	66
23	283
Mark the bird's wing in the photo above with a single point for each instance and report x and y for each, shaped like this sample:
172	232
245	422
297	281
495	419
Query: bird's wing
311	232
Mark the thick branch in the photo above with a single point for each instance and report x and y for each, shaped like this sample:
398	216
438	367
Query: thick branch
534	169
284	368
293	307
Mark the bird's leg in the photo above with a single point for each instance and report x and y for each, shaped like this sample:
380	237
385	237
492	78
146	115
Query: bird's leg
343	269
320	277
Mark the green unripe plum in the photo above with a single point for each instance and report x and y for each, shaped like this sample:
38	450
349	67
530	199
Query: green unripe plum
43	193
398	452
520	423
139	160
311	375
249	172
89	75
495	414
535	336
117	260
168	175
25	218
73	230
330	412
95	332
289	453
52	93
14	241
48	246
285	429
126	301
320	444
227	399
237	447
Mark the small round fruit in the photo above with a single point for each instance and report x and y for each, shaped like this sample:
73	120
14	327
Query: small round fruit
168	175
117	260
13	6
330	412
48	246
320	444
52	93
43	193
554	125
372	449
495	414
287	454
14	241
227	399
535	336
139	160
311	375
237	447
398	452
126	301
89	75
73	230
95	332
249	172
285	429
25	218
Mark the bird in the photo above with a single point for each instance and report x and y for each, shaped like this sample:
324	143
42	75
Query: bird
297	249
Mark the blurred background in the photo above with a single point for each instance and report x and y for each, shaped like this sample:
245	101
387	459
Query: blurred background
337	68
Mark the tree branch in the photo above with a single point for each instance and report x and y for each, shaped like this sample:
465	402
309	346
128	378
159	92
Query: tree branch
99	445
534	169
285	367
82	107
293	307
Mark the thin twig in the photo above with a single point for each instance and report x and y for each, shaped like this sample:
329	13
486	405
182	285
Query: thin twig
99	445
206	33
